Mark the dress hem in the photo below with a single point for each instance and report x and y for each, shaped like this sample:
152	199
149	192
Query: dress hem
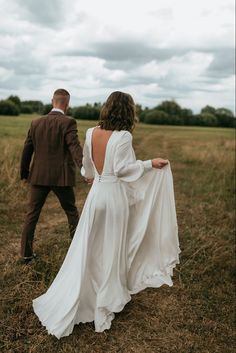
155	281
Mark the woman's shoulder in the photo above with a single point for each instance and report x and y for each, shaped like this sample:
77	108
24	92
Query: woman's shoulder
120	133
124	136
121	136
123	133
90	130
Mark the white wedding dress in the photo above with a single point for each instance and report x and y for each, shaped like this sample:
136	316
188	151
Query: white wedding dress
126	240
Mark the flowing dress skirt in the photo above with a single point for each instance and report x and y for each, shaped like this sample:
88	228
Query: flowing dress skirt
126	240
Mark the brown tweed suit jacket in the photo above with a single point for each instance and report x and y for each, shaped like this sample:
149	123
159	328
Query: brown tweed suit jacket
54	142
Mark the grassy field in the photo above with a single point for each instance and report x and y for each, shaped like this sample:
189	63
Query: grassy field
195	315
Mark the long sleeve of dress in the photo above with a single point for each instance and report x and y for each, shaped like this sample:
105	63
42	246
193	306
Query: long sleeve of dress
87	170
126	167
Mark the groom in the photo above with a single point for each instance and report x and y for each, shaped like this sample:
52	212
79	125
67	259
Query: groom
53	140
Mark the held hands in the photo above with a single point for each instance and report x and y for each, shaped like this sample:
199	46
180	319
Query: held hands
89	181
159	163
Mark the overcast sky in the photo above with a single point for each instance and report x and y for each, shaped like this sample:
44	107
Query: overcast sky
153	49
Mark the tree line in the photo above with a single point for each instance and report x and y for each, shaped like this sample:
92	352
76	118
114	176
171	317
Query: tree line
166	113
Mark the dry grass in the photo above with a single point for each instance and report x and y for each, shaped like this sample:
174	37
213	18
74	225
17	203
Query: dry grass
195	315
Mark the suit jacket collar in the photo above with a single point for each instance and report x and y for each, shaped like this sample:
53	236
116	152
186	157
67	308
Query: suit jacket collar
55	113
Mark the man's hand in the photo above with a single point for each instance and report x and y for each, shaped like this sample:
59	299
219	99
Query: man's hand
24	181
159	163
89	181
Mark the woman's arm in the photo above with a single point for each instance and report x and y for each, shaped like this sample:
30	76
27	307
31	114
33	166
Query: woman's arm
87	170
126	167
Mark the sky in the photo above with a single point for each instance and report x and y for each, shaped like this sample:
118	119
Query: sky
153	49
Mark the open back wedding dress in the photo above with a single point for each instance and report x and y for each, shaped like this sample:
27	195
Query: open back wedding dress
126	240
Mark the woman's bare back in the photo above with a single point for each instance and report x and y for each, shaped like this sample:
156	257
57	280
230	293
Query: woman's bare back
100	138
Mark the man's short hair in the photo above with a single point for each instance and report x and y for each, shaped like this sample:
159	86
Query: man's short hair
61	92
61	95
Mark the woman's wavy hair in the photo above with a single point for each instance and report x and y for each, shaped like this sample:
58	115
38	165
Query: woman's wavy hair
118	113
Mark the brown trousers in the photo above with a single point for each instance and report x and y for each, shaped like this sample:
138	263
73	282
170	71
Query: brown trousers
38	196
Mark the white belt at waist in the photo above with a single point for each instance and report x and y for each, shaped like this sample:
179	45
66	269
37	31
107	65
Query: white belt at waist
106	179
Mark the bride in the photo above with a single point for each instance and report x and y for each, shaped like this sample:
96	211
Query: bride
127	237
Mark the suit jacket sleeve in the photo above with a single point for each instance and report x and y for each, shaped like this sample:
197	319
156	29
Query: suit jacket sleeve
72	141
26	155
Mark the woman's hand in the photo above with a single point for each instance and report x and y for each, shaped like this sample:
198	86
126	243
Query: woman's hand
159	163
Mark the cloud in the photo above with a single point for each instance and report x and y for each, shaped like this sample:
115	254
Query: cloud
223	64
125	50
166	49
47	13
